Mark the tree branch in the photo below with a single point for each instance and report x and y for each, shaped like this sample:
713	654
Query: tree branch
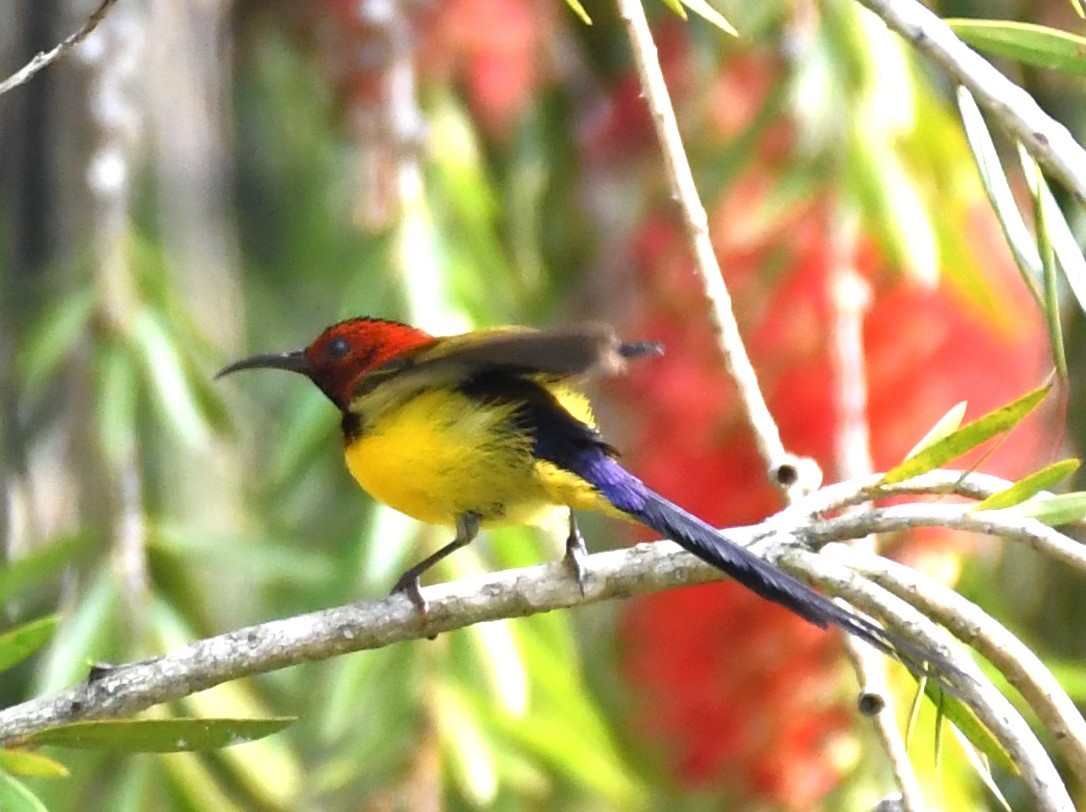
265	647
784	538
1023	669
685	193
43	59
991	707
1012	107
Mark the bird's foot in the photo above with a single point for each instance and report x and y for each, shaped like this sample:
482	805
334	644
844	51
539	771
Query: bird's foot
408	585
574	559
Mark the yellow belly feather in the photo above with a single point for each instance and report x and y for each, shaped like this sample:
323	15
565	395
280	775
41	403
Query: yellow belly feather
441	454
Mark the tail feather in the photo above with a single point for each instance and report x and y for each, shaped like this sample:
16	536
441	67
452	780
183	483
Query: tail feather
576	447
633	497
756	574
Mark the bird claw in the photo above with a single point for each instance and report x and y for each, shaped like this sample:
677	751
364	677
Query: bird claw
574	560
409	587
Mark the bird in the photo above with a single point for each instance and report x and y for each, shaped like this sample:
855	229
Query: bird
491	428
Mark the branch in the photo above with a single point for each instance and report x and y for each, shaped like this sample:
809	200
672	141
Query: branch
850	298
993	709
784	468
265	647
784	539
43	59
1002	523
1012	107
1023	669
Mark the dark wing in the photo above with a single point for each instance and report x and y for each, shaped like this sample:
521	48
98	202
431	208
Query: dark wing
561	352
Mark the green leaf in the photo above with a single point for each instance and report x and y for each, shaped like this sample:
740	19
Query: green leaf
1050	287
167	379
14	797
54	338
1063	508
1030	486
982	767
710	14
159	735
963	718
28	763
967	437
998	188
894	205
944	427
41	565
576	7
88	634
676	6
468	747
1026	42
19	643
116	408
1052	226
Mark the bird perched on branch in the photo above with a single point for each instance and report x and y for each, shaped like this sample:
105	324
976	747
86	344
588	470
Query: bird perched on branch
488	428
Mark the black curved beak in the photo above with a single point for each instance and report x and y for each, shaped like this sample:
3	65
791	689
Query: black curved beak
293	361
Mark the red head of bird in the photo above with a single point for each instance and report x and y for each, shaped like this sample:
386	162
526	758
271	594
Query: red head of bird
339	357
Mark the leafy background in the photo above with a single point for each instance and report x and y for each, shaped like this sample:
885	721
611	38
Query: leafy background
203	182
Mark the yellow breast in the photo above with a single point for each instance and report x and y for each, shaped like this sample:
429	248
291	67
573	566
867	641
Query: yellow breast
441	454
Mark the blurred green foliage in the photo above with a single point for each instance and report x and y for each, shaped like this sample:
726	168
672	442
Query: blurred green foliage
148	505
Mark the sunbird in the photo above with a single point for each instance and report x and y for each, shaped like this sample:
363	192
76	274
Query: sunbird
490	428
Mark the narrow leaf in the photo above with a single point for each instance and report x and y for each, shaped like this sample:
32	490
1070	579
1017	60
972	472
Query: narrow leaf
159	735
576	7
676	6
914	709
979	763
167	379
963	718
1052	225
994	179
469	749
31	764
967	437
14	797
1063	508
707	12
944	427
1030	486
53	340
1050	287
1026	42
41	565
19	643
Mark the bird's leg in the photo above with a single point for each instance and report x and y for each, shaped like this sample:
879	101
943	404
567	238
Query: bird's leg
575	553
467	528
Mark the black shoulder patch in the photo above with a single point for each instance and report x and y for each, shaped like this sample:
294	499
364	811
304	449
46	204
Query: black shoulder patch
557	436
351	424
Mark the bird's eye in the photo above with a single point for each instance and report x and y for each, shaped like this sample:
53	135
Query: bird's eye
338	347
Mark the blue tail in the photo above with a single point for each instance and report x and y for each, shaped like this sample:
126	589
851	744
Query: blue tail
560	438
630	495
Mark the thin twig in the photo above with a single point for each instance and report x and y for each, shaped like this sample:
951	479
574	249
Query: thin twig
685	193
1003	523
1022	668
1013	108
850	297
992	708
43	59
